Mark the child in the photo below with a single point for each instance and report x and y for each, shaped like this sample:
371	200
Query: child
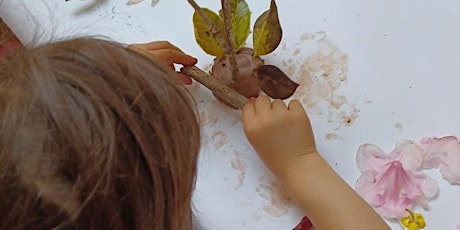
95	135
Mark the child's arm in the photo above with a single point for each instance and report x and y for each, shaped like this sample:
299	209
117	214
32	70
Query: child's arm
283	138
168	54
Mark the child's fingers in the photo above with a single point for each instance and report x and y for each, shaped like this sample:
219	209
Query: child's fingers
262	104
295	105
248	112
174	56
158	45
184	79
278	104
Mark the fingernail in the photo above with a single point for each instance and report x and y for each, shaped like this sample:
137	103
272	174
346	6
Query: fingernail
252	100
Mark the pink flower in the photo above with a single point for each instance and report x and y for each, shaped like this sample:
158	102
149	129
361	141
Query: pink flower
392	182
443	153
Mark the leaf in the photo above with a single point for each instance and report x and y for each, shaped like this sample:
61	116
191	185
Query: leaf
275	83
133	2
204	33
241	22
267	31
154	3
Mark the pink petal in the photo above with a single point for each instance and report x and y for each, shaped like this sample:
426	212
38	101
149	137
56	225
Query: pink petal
443	153
370	157
395	189
436	150
409	154
450	169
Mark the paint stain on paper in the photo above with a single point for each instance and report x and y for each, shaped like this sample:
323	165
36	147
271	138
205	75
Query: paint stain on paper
333	137
321	71
349	118
239	164
208	118
399	126
279	202
219	138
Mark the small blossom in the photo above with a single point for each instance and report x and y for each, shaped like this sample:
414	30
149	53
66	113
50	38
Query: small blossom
414	221
392	182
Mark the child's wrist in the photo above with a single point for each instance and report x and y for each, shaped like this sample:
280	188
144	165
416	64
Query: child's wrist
300	166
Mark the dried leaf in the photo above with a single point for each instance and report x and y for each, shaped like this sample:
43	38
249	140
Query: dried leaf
241	20
133	2
267	31
275	83
154	3
204	34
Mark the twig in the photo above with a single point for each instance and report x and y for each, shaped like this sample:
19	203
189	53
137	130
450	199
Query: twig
229	49
227	43
220	90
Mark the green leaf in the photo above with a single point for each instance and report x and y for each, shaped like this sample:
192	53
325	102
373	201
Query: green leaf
204	33
241	22
267	31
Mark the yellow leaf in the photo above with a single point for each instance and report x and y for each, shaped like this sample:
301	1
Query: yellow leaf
205	34
267	31
241	20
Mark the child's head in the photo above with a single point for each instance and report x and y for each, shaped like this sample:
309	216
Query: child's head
94	136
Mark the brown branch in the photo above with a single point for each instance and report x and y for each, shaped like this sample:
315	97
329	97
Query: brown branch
229	49
220	90
227	43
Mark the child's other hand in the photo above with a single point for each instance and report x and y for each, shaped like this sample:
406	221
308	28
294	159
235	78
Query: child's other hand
280	134
168	54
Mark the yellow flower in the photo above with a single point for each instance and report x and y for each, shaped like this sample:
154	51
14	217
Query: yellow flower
414	221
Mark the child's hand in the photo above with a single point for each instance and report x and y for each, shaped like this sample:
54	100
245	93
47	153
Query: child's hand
168	54
280	134
283	138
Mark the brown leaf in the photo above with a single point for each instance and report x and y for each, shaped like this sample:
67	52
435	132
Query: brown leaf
267	31
275	83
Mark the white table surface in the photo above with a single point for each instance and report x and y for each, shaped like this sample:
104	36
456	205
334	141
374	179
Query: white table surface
391	67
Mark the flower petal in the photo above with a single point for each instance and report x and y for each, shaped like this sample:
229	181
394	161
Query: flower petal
450	169
370	157
395	189
409	154
436	150
443	153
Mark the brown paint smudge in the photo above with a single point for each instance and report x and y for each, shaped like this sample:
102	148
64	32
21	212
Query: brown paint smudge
321	74
279	202
239	164
219	138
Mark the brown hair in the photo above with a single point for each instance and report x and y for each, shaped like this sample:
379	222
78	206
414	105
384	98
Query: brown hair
94	136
